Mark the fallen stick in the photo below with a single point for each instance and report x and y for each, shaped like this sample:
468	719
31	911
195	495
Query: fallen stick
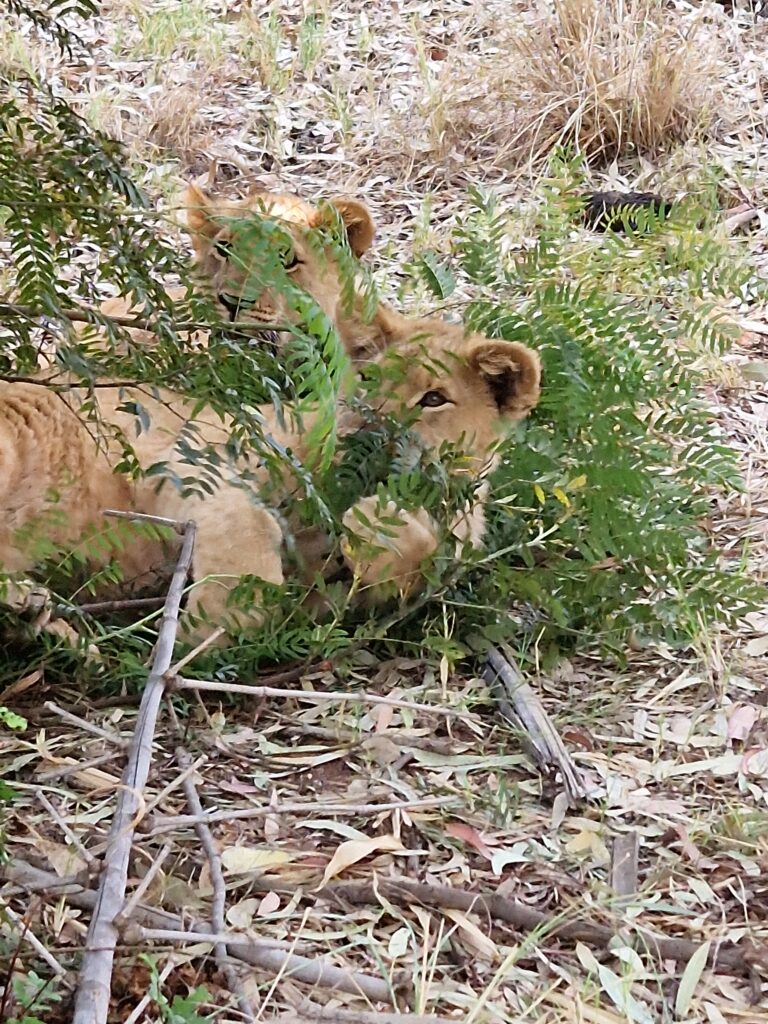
159	824
191	655
219	903
334	1015
81	723
72	767
95	981
293	673
169	787
738	959
520	704
95	607
92	862
135	898
250	951
738	216
321	696
624	856
138	935
29	936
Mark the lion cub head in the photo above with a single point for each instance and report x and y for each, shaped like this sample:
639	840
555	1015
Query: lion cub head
454	388
260	254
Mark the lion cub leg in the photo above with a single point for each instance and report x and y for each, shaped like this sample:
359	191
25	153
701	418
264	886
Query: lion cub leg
234	538
386	546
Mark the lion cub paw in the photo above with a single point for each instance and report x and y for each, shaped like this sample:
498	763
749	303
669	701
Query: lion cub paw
25	597
385	545
32	602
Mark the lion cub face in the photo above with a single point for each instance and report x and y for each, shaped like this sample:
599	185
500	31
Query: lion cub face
259	255
455	388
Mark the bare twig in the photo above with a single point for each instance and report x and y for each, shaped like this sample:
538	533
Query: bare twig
135	898
348	739
739	215
172	785
292	673
137	935
82	316
191	655
74	767
143	1003
118	606
545	745
307	1011
738	959
81	723
59	386
94	987
624	863
321	696
29	936
143	517
299	968
165	824
311	971
219	902
87	856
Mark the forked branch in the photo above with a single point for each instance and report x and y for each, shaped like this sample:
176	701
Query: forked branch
95	981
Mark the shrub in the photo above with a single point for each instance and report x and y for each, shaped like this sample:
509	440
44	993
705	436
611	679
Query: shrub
599	509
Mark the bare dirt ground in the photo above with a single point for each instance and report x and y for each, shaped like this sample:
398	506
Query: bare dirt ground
406	104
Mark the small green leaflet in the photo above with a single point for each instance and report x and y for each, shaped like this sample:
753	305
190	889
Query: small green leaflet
436	275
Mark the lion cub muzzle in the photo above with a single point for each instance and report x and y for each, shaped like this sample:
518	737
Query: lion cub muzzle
235	307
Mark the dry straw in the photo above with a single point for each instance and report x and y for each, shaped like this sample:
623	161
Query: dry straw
610	77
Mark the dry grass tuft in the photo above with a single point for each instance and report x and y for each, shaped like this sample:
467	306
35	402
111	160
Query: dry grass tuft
175	125
609	77
160	126
189	30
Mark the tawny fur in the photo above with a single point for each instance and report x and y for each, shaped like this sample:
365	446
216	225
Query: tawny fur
210	224
45	448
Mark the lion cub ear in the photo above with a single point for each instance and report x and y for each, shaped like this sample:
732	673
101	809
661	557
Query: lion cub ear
197	207
358	222
511	371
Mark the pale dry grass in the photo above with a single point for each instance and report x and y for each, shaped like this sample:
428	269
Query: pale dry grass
160	126
277	50
21	56
264	49
192	31
175	125
608	77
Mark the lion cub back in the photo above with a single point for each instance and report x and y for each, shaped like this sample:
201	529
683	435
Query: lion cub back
54	481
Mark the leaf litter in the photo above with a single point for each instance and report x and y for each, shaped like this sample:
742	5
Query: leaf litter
678	741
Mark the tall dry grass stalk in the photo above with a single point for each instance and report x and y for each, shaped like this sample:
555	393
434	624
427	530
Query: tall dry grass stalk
610	77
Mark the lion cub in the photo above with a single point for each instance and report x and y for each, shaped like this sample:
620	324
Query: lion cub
457	388
260	258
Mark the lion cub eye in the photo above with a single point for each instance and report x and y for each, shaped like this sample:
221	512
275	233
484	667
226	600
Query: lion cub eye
223	248
432	400
290	260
